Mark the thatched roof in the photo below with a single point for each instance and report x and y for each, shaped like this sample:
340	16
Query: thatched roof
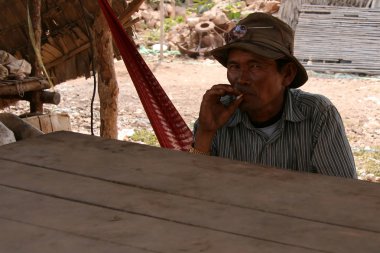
65	46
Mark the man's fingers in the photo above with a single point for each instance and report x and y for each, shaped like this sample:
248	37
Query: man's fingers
235	104
221	90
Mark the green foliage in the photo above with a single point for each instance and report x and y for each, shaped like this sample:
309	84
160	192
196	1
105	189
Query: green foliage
200	6
153	36
170	22
233	11
145	136
368	160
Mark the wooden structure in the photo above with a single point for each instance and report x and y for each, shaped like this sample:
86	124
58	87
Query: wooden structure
65	44
72	38
30	89
339	39
290	9
67	192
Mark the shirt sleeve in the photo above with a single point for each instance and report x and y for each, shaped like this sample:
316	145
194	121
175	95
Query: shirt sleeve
332	153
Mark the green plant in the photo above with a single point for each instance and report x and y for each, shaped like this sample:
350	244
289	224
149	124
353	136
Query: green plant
145	136
200	6
153	35
233	11
170	22
368	160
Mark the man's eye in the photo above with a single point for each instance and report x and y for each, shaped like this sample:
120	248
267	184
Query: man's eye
233	67
255	66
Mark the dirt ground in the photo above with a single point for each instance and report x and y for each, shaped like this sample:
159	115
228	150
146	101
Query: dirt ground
185	81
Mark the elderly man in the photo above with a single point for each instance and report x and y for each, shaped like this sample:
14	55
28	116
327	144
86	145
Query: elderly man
261	117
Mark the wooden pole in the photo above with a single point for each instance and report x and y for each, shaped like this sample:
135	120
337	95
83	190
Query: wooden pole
36	105
35	15
161	30
375	4
108	87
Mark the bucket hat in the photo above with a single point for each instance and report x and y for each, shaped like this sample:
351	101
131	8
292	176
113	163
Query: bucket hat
265	35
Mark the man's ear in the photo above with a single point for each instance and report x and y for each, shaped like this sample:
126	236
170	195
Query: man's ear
289	72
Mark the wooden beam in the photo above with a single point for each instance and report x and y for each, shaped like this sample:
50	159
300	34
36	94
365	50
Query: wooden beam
68	55
20	87
132	8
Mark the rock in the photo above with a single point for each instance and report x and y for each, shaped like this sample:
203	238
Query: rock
3	72
370	177
192	21
169	11
146	15
6	135
143	6
220	19
209	15
271	7
180	11
157	47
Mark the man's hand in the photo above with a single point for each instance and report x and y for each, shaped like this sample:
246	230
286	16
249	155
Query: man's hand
213	114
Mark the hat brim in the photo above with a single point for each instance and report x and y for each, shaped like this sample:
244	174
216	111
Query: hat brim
221	55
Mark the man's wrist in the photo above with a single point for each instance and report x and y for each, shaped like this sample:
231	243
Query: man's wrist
196	151
203	140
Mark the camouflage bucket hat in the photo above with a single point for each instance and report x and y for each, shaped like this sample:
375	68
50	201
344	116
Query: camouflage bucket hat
265	35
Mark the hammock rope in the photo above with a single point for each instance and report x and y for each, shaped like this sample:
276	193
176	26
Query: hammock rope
171	130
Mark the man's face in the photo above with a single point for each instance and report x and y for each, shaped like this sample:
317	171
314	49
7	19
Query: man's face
258	79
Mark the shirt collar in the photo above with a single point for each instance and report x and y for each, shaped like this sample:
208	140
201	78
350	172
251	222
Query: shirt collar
291	110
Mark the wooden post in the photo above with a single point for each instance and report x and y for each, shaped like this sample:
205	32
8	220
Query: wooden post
161	29
108	86
36	104
173	14
375	4
35	16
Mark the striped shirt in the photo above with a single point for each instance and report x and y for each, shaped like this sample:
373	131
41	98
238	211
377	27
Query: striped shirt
309	137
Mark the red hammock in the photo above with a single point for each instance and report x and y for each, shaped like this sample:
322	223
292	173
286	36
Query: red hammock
168	125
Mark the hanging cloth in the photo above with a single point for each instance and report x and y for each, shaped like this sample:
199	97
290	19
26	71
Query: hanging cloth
168	125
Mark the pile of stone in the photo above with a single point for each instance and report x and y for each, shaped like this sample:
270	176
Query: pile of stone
199	31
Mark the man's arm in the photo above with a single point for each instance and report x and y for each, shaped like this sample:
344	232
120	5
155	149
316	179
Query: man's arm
332	153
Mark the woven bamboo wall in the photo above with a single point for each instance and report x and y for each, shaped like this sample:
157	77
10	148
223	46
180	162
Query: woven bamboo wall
339	39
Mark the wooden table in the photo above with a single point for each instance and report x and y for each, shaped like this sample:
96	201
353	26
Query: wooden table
67	192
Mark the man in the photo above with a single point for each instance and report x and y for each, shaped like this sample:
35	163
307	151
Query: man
261	117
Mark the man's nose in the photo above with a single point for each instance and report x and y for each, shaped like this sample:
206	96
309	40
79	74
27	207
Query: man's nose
245	77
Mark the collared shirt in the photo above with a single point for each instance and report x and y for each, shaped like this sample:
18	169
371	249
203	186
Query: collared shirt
309	137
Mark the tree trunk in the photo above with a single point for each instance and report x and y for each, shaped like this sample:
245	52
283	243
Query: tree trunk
35	16
108	87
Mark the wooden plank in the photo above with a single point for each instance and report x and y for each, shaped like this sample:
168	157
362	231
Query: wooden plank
195	212
52	50
80	34
34	121
60	122
68	56
123	228
45	124
331	32
61	41
239	184
18	236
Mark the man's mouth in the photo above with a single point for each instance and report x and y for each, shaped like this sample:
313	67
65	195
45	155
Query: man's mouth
242	89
